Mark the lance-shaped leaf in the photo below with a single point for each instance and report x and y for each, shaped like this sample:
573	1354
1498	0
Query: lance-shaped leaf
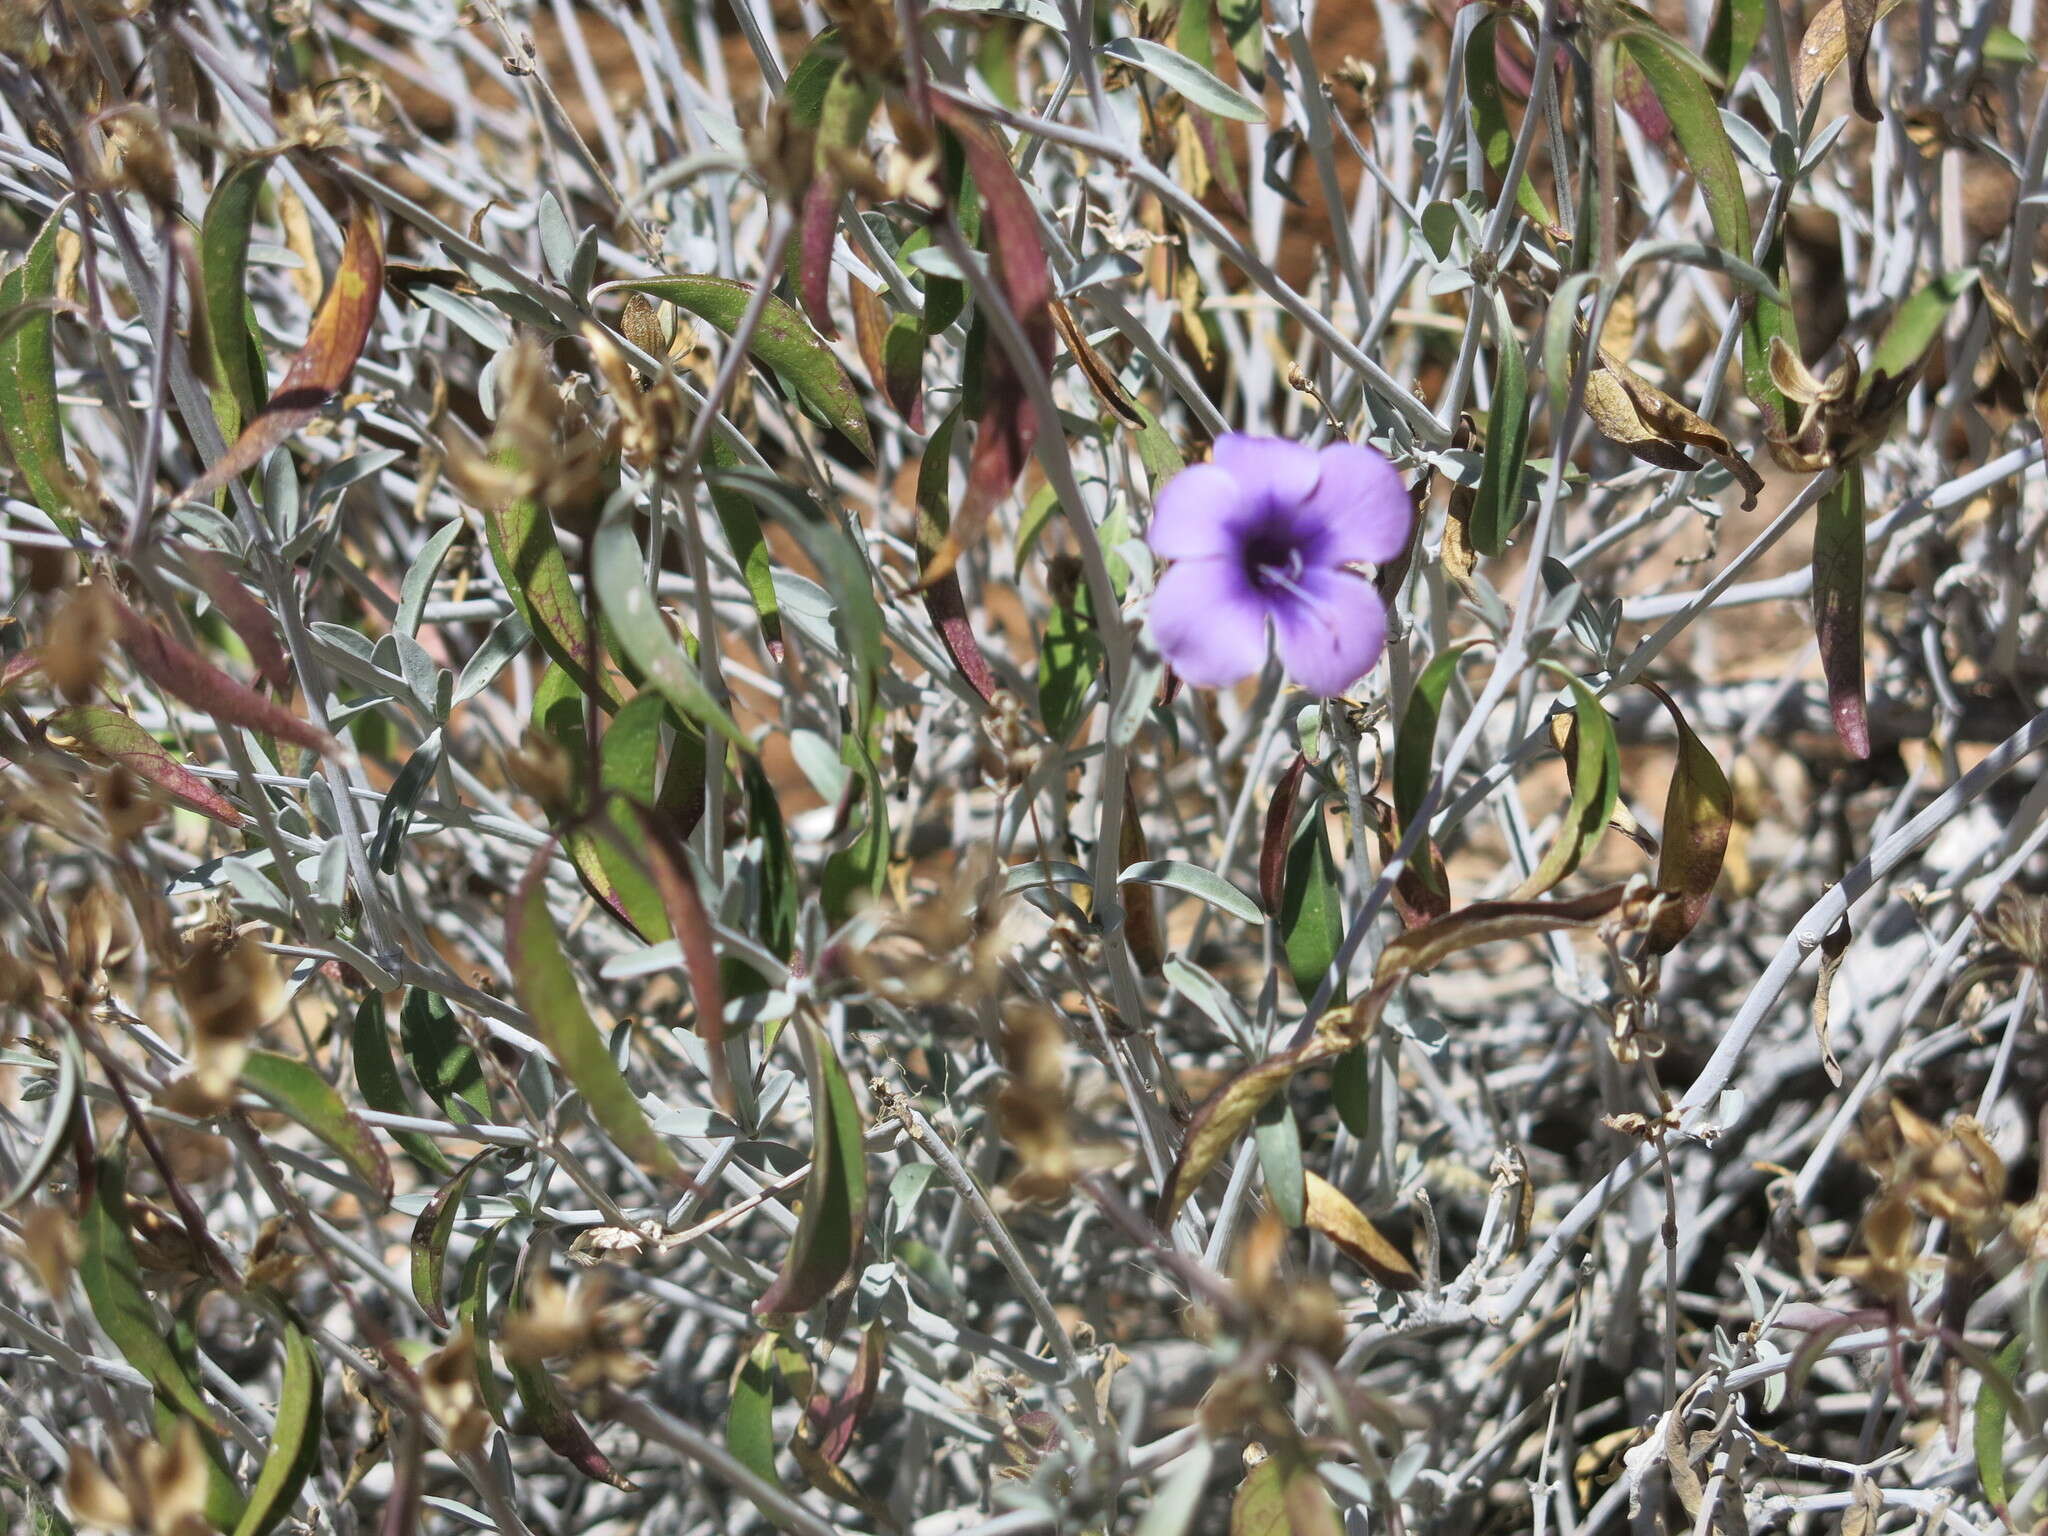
1007	425
535	576
942	599
294	1452
28	377
1912	331
1331	1213
378	1082
322	368
1187	78
552	1417
749	1415
472	1319
548	992
1595	781
112	1278
184	674
742	525
224	268
1490	117
1279	824
841	1421
1987	1422
1498	506
1179	875
298	1092
1225	1116
1732	37
431	1230
784	341
1830	37
107	736
619	569
442	1058
855	875
1311	906
1699	808
1703	139
690	922
835	1200
1630	410
251	621
1488	922
1415	765
1838	605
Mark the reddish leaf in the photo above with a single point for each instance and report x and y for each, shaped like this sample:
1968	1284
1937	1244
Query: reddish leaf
1279	820
942	599
245	614
552	1417
183	673
323	365
842	1418
1699	809
691	924
820	216
108	736
1838	605
1486	922
1009	423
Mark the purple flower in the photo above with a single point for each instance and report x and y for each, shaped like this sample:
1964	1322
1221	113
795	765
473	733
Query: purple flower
1268	531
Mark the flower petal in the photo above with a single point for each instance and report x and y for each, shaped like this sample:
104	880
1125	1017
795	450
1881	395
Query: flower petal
1276	470
1208	622
1361	504
1198	515
1332	633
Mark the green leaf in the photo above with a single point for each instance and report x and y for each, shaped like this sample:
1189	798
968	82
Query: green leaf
298	1092
1186	77
828	1234
1696	123
620	571
1731	40
472	1311
1311	908
1278	1140
431	1231
1178	875
1987	1426
1596	782
1838	559
1498	506
859	872
442	1058
742	525
1244	27
749	1427
1490	115
112	1278
548	992
1914	328
223	267
1069	661
775	921
378	1082
783	341
529	562
294	1452
1282	1496
28	379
